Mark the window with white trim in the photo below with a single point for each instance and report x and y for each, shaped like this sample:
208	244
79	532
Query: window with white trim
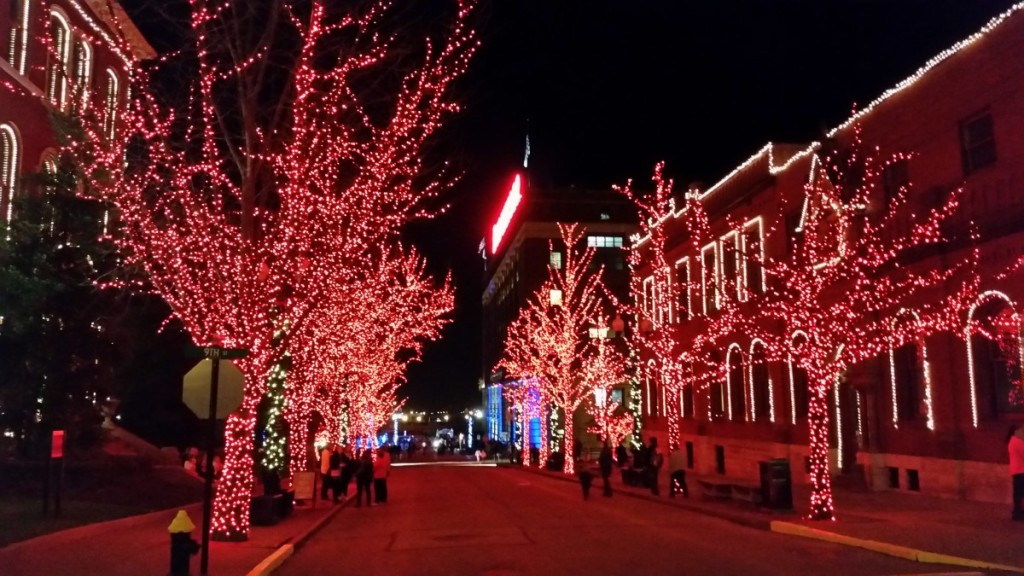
17	47
709	277
57	68
113	98
82	70
682	279
10	164
730	269
753	258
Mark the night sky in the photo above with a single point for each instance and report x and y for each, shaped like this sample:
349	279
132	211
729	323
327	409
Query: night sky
608	88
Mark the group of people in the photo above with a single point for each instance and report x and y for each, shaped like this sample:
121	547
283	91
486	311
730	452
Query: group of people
647	460
194	462
339	467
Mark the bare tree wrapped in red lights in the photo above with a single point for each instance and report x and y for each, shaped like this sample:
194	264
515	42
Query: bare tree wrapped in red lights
674	354
860	259
301	148
606	368
354	351
550	340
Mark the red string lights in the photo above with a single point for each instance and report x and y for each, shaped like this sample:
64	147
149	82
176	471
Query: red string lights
257	204
550	340
860	258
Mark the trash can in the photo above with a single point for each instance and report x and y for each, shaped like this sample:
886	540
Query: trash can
776	485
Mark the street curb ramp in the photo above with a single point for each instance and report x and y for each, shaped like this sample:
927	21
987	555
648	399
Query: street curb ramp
279	556
905	552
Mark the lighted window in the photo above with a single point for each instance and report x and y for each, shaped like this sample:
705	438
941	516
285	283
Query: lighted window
57	69
977	142
753	258
648	304
730	270
760	384
604	241
555	259
113	93
10	162
555	297
17	48
709	278
598	332
82	61
682	280
995	360
736	389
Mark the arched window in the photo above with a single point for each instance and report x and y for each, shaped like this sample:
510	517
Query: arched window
734	377
17	49
82	59
686	396
716	393
908	377
60	55
10	164
113	99
760	384
994	358
49	188
798	380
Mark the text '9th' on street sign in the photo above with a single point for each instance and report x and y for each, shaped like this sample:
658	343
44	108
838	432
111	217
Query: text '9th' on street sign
212	352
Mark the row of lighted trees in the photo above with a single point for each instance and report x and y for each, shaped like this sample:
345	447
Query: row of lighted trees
860	258
265	205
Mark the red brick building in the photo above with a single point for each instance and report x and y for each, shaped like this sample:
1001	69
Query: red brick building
54	54
930	417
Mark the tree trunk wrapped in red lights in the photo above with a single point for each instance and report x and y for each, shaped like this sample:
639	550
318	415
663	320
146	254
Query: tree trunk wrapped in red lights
299	150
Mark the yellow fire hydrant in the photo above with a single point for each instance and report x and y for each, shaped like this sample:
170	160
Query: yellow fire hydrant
183	547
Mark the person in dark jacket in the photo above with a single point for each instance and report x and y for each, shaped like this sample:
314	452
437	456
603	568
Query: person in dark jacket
364	479
604	462
334	474
347	470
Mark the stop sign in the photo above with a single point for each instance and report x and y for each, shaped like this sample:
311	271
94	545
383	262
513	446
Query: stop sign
196	389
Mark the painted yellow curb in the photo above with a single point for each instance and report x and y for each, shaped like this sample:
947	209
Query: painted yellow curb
904	552
272	562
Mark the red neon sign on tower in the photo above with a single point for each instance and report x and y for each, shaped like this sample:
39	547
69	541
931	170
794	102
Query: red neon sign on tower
507	211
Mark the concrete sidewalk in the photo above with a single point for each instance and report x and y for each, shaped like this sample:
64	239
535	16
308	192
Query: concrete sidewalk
911	526
141	545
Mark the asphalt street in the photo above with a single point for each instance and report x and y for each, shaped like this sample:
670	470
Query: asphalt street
481	520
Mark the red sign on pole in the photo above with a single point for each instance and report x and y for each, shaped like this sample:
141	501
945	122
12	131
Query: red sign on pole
57	444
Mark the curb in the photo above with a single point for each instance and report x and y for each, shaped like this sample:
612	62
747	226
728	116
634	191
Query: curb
279	556
905	552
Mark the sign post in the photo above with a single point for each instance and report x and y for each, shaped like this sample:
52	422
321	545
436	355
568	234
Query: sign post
56	453
234	381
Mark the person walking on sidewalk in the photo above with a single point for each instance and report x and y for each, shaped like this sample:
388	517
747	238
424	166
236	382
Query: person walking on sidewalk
348	469
586	479
1015	446
604	462
381	470
654	463
334	473
325	469
677	473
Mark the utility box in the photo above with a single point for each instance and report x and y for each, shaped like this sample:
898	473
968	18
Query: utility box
776	485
